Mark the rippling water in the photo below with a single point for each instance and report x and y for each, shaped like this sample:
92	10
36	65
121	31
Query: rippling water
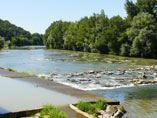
140	102
40	61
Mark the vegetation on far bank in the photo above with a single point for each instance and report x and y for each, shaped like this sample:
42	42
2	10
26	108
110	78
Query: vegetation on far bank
135	35
11	36
90	108
51	112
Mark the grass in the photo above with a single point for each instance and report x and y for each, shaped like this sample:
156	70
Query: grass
91	108
52	112
42	77
28	74
12	70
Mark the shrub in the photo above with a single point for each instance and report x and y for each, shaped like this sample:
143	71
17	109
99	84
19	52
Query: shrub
90	108
12	70
52	112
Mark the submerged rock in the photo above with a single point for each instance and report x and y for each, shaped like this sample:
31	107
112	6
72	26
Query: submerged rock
84	79
155	80
112	111
120	79
69	76
91	72
98	76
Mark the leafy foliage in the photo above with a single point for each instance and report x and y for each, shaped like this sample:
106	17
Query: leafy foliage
136	35
91	107
143	34
52	112
1	42
18	36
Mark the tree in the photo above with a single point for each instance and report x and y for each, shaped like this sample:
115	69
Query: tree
131	9
1	42
20	41
37	39
143	34
147	6
53	37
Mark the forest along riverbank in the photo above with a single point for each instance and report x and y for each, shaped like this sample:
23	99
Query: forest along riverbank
108	72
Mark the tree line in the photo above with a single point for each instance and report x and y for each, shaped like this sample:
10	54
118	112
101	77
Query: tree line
11	35
135	35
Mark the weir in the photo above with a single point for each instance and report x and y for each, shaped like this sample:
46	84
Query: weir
51	85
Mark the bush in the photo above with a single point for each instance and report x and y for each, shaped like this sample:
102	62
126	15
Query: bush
90	108
12	70
52	112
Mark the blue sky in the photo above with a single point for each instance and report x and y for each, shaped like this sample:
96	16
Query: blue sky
37	15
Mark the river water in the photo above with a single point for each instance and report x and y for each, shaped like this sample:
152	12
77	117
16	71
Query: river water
97	73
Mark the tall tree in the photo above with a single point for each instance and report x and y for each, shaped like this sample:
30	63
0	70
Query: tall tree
143	34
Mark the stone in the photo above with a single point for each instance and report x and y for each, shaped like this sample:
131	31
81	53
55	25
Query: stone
120	108
133	80
155	74
73	81
122	72
37	115
109	73
84	79
69	76
91	72
140	82
77	74
98	76
111	110
155	79
50	79
120	79
52	75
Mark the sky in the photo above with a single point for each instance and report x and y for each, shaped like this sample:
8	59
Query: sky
37	15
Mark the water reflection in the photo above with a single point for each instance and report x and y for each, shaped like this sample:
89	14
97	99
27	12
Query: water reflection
17	96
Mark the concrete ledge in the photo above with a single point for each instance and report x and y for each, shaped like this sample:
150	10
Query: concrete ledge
112	110
79	111
20	114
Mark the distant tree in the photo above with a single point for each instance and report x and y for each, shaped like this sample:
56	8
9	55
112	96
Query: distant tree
1	42
37	39
20	41
9	31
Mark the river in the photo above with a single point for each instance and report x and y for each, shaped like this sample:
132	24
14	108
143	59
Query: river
97	73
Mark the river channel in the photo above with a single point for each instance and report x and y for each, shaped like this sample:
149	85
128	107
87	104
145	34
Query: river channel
104	75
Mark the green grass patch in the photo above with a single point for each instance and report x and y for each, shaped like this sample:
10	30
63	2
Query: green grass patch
91	107
42	77
12	70
52	112
28	74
